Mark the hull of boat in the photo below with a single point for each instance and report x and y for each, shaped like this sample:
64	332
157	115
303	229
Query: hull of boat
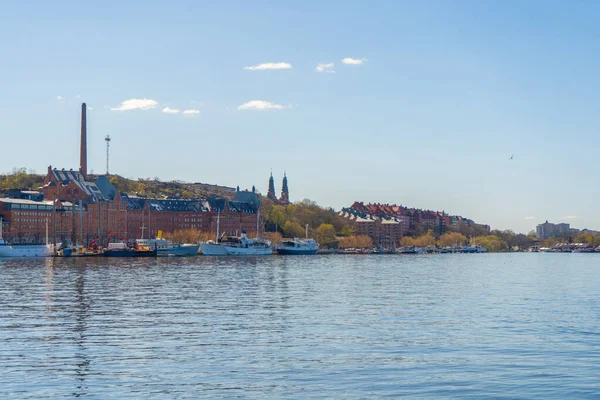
129	253
180	251
248	251
213	249
27	250
296	251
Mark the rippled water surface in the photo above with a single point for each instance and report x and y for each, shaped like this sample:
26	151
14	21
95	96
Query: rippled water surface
481	325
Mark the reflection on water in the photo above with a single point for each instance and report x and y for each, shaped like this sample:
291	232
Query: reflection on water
513	325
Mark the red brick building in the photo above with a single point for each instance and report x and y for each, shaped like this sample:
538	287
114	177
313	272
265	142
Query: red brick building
78	210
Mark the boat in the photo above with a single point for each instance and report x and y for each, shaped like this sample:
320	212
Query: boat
165	247
237	246
123	250
298	246
410	250
25	249
473	249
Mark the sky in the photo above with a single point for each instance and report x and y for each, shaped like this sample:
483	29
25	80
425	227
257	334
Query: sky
413	103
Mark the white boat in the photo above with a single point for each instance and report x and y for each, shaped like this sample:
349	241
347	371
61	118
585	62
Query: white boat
26	250
298	246
165	247
238	246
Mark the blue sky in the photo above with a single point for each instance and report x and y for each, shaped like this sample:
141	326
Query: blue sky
437	97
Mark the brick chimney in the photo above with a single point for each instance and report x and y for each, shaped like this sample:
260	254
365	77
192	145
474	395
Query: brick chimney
83	149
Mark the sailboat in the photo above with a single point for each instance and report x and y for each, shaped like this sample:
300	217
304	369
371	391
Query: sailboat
237	246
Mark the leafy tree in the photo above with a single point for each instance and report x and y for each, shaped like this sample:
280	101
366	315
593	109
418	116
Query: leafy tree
347	230
407	241
427	239
451	239
326	235
491	243
293	229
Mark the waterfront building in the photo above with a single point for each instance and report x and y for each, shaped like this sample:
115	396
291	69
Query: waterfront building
417	220
384	231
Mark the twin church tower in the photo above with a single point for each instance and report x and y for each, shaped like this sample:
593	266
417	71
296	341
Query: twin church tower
285	193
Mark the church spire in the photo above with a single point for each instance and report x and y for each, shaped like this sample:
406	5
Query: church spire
271	192
285	192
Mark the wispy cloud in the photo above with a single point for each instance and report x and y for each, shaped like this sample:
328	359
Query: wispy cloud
90	108
60	98
570	217
325	68
136	104
279	65
168	110
354	61
529	217
260	105
78	96
191	111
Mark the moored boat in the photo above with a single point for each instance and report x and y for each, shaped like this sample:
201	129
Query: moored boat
165	247
298	247
238	246
123	250
26	249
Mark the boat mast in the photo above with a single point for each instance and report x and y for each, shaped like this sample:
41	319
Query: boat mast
306	230
2	227
54	224
257	219
218	222
46	231
80	223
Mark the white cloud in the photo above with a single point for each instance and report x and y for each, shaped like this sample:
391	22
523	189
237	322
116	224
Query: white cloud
168	110
325	68
60	98
260	105
279	65
569	217
136	104
191	112
90	108
354	61
529	217
78	96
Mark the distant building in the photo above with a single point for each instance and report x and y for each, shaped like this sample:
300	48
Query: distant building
549	230
417	220
385	231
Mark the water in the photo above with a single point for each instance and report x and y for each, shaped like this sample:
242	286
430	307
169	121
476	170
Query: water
482	325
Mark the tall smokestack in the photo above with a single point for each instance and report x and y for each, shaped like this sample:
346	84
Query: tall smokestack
83	149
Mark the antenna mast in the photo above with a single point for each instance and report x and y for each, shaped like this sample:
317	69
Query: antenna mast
107	140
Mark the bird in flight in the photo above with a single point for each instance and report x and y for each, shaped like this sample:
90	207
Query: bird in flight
511	157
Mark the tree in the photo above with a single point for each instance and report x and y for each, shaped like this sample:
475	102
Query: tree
427	239
490	242
407	241
451	239
347	230
326	235
293	229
